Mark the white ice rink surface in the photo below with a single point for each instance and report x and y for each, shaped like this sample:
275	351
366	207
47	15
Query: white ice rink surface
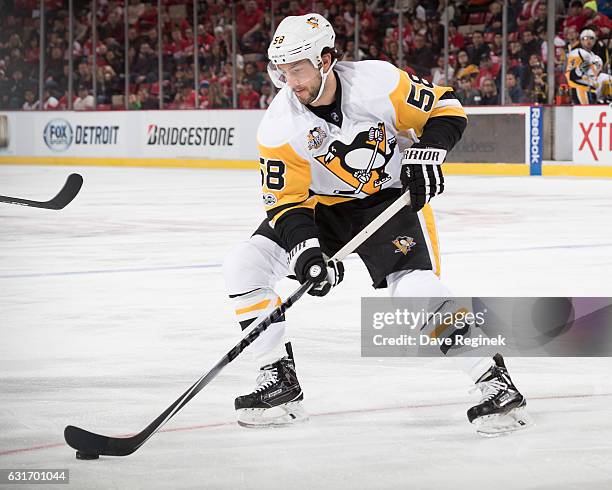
112	307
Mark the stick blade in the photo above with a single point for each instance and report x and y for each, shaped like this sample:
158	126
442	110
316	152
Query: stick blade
91	443
71	188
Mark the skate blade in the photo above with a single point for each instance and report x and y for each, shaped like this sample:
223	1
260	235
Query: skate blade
501	425
284	415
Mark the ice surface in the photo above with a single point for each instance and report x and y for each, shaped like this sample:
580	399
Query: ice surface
112	307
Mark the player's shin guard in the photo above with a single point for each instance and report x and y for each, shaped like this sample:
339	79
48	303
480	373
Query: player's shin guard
501	409
276	400
251	308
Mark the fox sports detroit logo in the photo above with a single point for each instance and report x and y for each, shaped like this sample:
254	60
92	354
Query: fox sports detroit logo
58	134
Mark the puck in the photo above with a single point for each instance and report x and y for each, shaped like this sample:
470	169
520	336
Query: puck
80	455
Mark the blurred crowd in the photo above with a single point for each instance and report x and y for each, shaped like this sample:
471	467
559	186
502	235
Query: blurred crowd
475	48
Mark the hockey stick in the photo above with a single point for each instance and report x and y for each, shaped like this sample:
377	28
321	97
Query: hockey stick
90	445
61	200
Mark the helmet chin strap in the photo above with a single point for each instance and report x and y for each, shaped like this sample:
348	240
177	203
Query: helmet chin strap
323	79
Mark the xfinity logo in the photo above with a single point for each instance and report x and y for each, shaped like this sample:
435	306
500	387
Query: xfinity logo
598	138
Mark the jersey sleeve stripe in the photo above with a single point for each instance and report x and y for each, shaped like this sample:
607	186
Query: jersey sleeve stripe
276	213
448	111
447	103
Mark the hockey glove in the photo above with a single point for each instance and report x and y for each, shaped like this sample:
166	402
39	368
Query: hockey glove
309	265
421	174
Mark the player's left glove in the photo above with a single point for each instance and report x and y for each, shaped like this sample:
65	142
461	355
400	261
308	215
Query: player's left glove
310	265
421	174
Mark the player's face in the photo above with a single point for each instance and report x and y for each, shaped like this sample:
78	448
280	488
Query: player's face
303	78
587	42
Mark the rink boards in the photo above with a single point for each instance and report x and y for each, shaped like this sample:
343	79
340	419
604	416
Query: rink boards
517	140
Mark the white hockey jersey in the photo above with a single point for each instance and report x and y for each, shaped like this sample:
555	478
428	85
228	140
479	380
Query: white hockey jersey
583	69
305	160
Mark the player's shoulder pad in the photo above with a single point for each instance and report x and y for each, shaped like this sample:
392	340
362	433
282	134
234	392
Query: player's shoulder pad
284	119
368	76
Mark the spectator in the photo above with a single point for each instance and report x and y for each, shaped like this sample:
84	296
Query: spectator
50	101
514	93
204	98
455	39
84	101
216	58
248	99
537	90
466	94
494	23
420	57
477	48
147	101
514	10
594	18
4	89
462	61
16	89
134	102
540	21
83	75
374	53
144	68
490	96
576	18
252	76
184	98
226	95
30	104
528	12
109	85
516	57
531	44
266	96
438	75
487	69
219	100
497	45
32	53
112	28
248	22
525	75
392	53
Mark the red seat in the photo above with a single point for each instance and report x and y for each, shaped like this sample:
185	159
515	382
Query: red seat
103	107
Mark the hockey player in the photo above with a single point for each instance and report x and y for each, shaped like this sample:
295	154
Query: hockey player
588	83
331	161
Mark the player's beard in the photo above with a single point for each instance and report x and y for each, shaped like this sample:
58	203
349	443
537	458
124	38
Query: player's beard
310	93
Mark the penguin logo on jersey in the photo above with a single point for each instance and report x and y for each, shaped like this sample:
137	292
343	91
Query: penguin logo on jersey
315	138
404	244
361	164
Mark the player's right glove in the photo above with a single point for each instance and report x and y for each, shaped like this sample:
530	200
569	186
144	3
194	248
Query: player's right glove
421	174
309	265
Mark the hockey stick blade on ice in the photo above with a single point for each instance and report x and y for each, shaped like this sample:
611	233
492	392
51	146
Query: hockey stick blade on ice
60	201
90	445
